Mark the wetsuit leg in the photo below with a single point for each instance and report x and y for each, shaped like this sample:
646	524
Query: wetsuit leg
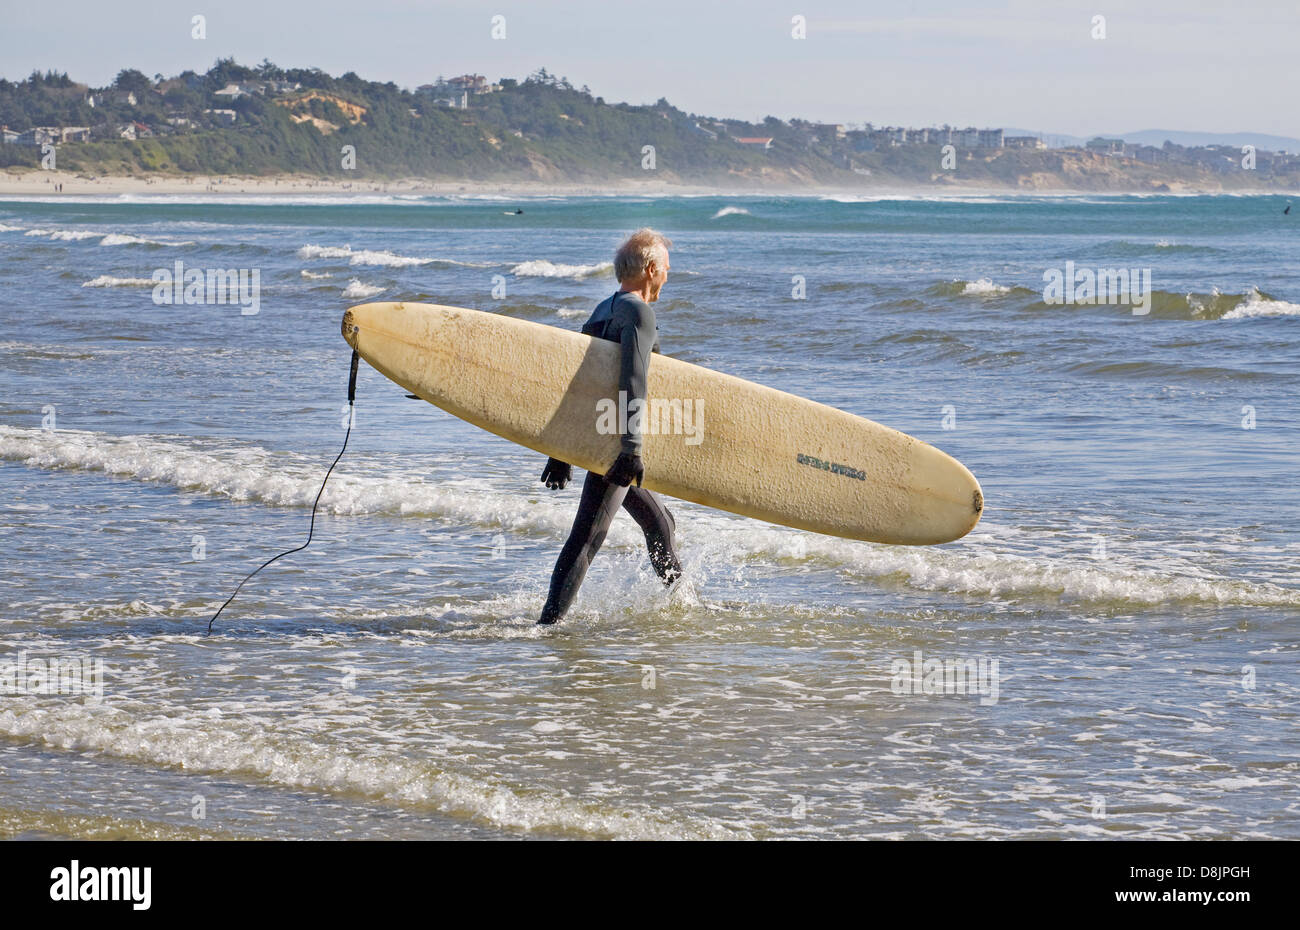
657	522
601	500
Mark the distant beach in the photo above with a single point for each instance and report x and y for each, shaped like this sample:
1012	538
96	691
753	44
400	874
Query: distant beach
31	183
43	182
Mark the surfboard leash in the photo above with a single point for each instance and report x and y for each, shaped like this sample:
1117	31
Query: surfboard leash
352	398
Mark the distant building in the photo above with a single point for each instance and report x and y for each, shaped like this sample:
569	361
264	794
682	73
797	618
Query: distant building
38	136
74	134
1105	146
472	84
704	132
444	95
759	142
968	138
111	96
990	138
829	132
224	116
1023	142
7	136
235	90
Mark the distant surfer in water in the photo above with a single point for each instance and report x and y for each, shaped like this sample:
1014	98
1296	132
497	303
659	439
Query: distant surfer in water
641	266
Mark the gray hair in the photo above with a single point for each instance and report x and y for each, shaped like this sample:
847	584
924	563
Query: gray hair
638	251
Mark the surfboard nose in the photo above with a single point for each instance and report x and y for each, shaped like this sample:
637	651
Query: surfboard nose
350	329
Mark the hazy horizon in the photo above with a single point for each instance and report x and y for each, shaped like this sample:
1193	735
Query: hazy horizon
1163	65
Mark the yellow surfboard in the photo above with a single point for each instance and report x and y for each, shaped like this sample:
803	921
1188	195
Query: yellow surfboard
708	437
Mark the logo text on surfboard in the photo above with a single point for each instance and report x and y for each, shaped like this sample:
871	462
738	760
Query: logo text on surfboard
834	467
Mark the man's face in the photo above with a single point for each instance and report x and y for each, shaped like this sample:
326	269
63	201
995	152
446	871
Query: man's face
658	276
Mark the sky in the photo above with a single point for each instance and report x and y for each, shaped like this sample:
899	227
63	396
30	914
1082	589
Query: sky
1029	64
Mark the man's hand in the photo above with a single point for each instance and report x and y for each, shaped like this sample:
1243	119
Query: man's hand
626	469
556	474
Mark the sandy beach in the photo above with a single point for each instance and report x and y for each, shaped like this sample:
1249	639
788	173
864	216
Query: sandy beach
35	182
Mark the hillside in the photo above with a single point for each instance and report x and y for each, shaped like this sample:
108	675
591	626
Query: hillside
268	121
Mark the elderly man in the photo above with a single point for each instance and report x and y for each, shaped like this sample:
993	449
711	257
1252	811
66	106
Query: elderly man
641	266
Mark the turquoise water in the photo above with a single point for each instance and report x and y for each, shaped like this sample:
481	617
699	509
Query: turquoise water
1133	576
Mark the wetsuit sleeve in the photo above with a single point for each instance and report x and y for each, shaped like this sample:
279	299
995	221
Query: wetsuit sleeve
637	338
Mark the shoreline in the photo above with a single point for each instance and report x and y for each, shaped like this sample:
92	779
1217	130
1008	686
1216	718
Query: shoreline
36	182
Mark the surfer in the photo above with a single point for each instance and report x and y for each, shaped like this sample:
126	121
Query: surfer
641	266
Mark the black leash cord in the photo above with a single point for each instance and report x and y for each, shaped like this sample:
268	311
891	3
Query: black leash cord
352	397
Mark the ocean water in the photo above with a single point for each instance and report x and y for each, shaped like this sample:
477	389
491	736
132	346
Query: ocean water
1130	595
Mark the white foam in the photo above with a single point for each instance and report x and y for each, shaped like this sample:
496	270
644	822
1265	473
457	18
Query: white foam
378	257
325	251
984	287
205	742
107	280
128	239
541	268
110	239
1256	305
386	259
980	567
6	228
356	289
312	276
731	211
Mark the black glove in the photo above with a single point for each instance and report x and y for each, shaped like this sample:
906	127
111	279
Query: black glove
626	469
556	474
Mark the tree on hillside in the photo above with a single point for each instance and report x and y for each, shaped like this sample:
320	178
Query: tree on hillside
129	79
227	71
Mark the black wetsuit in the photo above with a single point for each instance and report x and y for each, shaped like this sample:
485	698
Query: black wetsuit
628	320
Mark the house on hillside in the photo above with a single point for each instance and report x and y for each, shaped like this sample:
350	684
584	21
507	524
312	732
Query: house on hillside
472	84
38	136
758	142
7	136
443	96
1103	146
110	97
1023	142
235	91
74	134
